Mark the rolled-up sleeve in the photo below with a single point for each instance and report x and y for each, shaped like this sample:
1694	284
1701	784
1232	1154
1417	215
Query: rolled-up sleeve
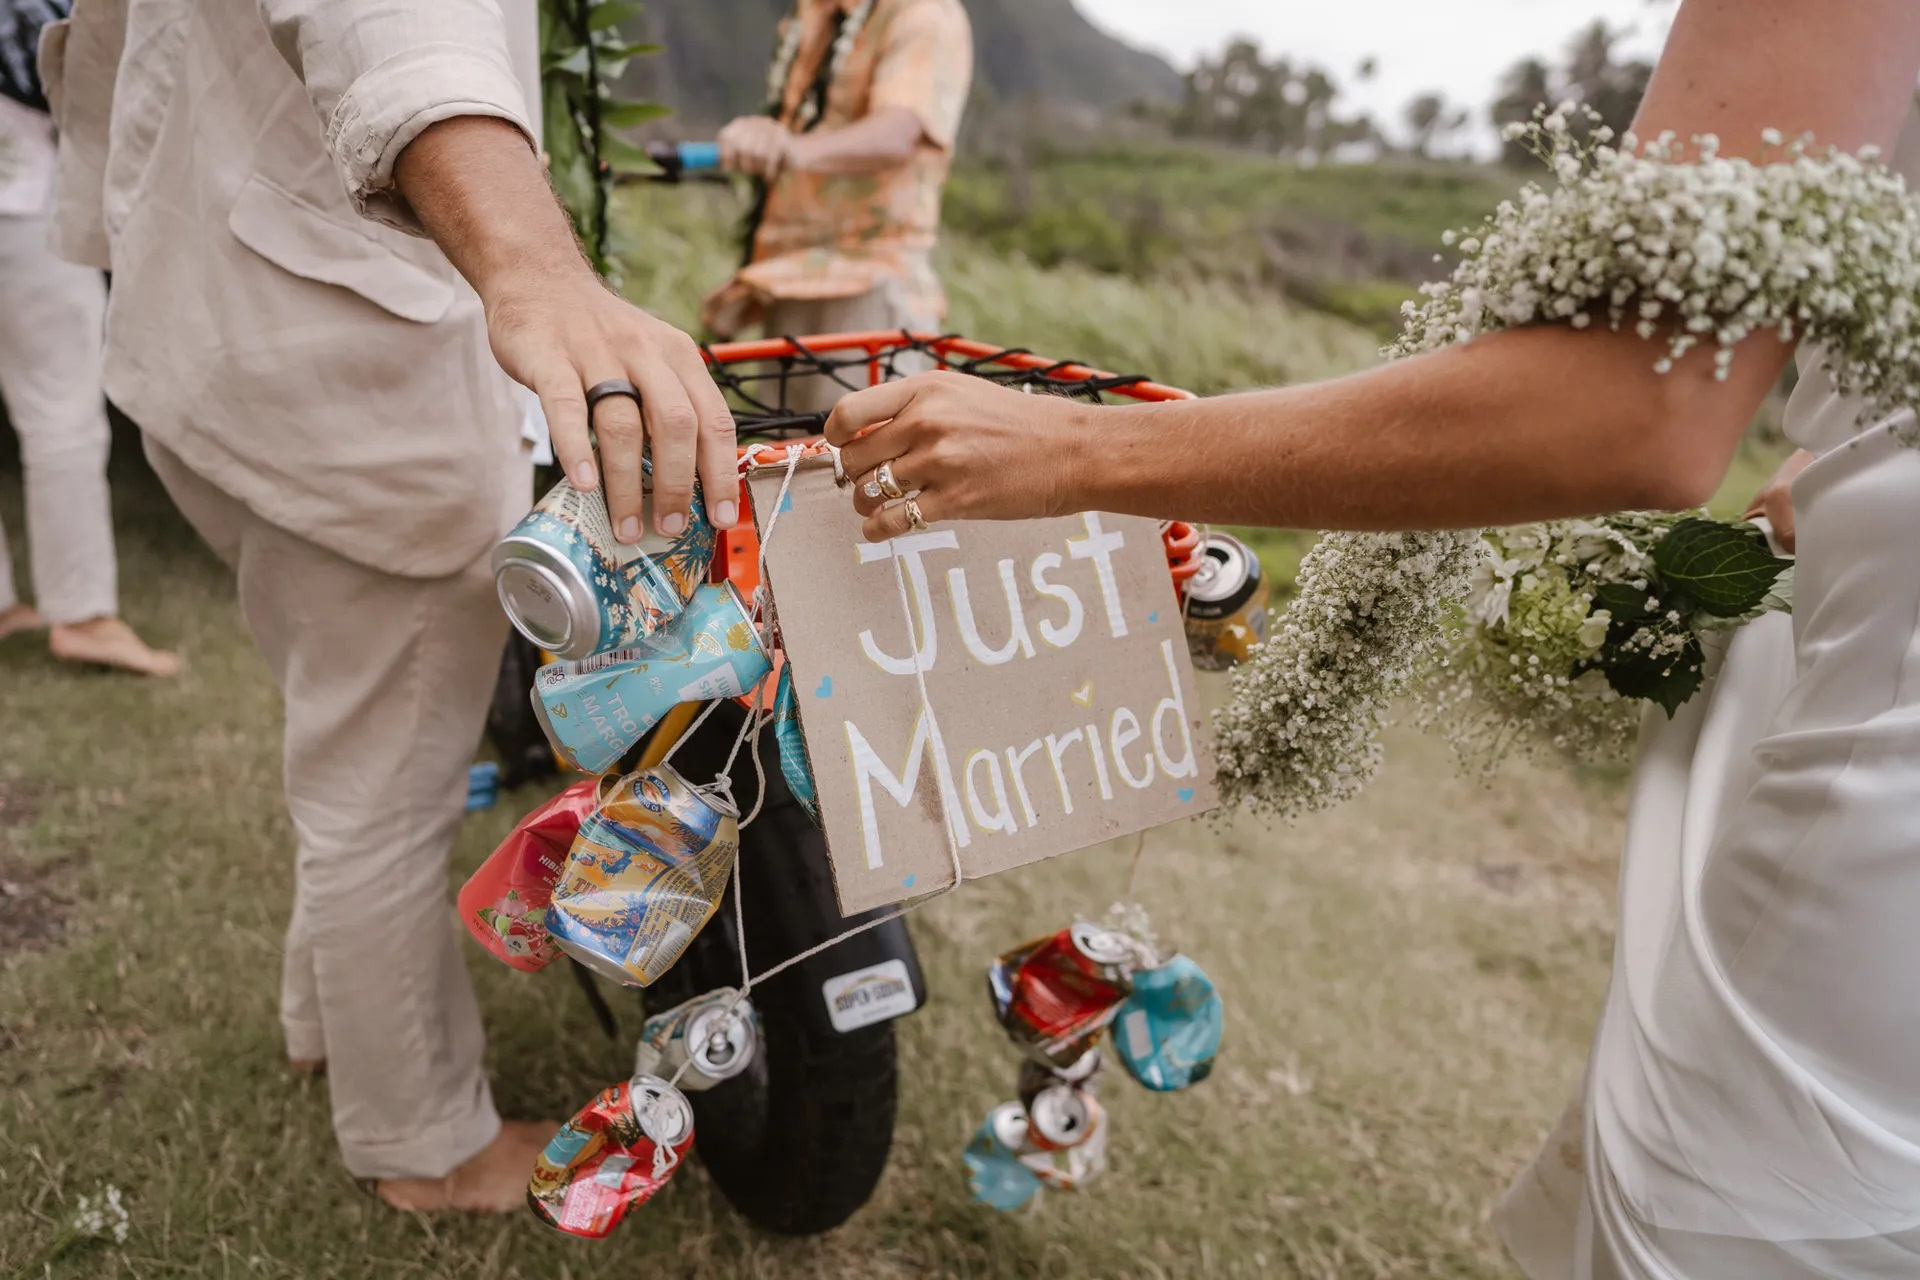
379	72
926	66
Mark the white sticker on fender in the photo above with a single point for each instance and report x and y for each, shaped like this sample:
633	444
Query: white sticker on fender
866	996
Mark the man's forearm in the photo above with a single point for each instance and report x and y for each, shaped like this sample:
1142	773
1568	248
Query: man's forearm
481	193
883	140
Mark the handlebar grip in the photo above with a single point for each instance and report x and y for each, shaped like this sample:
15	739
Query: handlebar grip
699	157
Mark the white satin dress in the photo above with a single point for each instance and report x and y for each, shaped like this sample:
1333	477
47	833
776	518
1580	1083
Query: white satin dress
1752	1104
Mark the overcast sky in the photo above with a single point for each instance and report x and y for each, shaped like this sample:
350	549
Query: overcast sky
1458	47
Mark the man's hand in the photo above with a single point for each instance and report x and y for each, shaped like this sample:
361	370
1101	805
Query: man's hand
480	192
1775	499
758	146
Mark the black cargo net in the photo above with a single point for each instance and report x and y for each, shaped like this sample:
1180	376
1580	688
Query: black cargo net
760	390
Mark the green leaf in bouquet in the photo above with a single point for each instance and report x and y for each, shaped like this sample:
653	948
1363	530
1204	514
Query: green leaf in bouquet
1626	605
625	115
1723	568
1669	680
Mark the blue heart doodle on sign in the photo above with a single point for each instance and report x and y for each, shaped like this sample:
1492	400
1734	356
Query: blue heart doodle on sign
786	503
826	688
1185	794
1153	617
908	882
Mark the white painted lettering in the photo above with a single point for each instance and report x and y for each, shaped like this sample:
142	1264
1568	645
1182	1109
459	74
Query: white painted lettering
1056	746
906	550
868	768
1124	730
1099	546
1185	767
1099	754
1017	643
1016	757
1058	637
999	818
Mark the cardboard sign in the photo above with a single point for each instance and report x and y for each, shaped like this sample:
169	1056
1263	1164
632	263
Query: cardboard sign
1058	707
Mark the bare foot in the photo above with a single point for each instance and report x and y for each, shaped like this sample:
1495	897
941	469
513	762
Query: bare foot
110	642
494	1181
19	617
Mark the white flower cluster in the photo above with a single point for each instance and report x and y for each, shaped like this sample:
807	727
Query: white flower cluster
789	50
1302	730
1701	247
1513	676
102	1218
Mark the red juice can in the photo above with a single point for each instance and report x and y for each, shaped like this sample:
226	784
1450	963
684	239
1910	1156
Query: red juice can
1056	994
504	903
616	1152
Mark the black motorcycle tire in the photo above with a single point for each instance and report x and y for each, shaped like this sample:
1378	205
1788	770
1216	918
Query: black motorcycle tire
798	1142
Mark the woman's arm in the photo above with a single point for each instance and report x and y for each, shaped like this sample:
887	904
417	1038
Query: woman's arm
1515	426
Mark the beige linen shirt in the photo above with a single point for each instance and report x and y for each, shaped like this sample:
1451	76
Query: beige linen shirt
276	319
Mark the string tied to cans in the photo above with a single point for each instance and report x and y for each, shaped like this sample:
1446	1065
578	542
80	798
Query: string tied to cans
757	718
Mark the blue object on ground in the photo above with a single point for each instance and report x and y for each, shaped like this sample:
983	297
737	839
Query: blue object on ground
483	785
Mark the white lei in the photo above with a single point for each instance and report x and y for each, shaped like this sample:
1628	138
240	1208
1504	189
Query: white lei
789	51
1821	247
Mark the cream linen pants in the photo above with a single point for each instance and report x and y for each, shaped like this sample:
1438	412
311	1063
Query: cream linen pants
386	682
881	308
51	315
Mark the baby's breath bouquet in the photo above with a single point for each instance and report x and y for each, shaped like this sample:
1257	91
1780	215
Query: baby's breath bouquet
1668	239
1569	627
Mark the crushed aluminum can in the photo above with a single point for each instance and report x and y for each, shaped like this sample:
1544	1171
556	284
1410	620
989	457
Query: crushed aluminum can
1055	995
715	1036
1226	603
1062	1116
504	902
996	1175
794	765
616	1152
644	876
1070	1168
1167	1032
1036	1076
573	589
596	709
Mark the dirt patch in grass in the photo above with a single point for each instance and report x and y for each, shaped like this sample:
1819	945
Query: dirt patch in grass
33	900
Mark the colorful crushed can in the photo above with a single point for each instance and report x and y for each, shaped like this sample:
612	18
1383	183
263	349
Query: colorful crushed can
794	765
996	1175
1036	1077
1167	1032
596	709
1056	994
1226	604
644	875
715	1037
504	903
573	589
1069	1168
617	1152
1062	1116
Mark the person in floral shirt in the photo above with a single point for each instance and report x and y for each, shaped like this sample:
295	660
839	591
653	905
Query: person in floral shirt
864	105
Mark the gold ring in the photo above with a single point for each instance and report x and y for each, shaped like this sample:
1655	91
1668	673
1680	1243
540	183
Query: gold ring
888	485
916	523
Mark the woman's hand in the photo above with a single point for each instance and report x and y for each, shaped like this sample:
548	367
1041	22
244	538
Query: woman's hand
1775	499
965	448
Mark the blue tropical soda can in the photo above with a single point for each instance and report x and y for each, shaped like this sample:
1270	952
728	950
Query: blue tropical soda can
1167	1032
644	875
573	589
996	1175
794	766
596	709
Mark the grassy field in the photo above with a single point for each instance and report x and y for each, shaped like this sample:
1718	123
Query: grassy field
1410	981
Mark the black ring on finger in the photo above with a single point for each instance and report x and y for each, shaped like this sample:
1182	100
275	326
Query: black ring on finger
611	387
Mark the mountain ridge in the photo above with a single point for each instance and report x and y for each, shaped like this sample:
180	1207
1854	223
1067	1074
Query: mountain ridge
714	64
